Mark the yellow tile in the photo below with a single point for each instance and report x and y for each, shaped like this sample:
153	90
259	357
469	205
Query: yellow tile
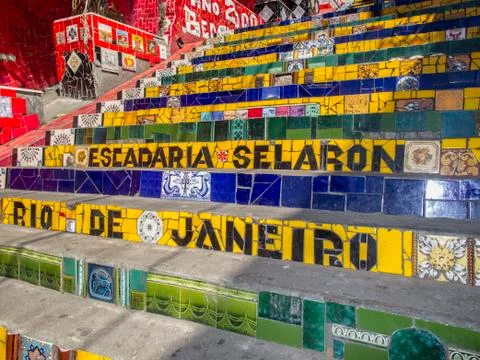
3	343
454	143
84	355
390	251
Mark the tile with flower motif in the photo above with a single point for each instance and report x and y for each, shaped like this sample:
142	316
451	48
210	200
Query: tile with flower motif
442	258
422	157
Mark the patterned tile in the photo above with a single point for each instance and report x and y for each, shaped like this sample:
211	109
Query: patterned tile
150	227
459	162
366	337
109	60
442	258
5	107
62	137
111	106
451	99
3	178
89	120
134	93
32	349
29	156
101	284
81	157
186	185
477	263
422	156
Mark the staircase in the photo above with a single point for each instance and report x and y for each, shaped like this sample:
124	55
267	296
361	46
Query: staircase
302	190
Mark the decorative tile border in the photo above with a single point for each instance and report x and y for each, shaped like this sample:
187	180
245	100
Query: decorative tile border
366	337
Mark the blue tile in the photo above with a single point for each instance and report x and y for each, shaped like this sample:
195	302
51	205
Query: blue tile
50	185
266	193
404	197
296	191
470	190
366	203
66	186
244	180
474	209
243	196
374	184
320	184
223	187
446	209
442	190
265	178
151	184
328	202
217	115
347	184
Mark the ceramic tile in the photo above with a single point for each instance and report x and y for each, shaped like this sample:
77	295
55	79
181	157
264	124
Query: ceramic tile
422	156
338	350
89	120
381	322
109	60
451	99
279	332
163	297
455	34
341	314
150	227
5	107
355	351
236	312
29	156
442	258
280	307
404	197
3	178
186	185
365	337
101	283
314	325
416	344
62	137
459	162
35	349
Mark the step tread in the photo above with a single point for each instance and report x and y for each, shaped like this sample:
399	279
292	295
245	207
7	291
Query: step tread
69	321
408	296
438	225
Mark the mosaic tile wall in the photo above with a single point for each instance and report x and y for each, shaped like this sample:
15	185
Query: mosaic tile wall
340	330
376	249
14	346
433	198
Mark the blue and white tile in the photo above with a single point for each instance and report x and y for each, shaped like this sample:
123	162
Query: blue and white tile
101	283
186	185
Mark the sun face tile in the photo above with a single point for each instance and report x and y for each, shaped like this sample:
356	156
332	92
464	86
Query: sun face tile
422	156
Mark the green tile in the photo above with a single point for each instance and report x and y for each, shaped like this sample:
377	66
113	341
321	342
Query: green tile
279	332
138	280
204	131
453	336
416	344
69	284
314	325
163	298
312	110
276	128
137	300
198	306
221	130
280	307
341	314
256	129
329	133
338	350
363	352
237	312
69	266
9	263
50	275
29	270
381	322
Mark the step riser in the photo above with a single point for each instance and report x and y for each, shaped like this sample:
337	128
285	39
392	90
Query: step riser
375	249
414	196
319	325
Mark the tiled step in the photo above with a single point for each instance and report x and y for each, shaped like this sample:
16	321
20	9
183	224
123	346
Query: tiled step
406	195
116	333
374	243
320	309
275	125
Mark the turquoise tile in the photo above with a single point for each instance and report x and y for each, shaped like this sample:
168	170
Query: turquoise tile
314	325
341	314
280	307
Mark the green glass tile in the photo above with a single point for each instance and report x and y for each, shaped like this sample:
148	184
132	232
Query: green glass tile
221	130
69	284
314	325
279	332
137	132
329	134
416	344
125	132
341	314
111	132
162	138
29	270
9	263
277	128
280	307
381	322
50	275
236	314
338	350
138	280
137	300
80	136
363	352
198	306
453	336
186	132
69	266
204	131
256	129
163	299
99	135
